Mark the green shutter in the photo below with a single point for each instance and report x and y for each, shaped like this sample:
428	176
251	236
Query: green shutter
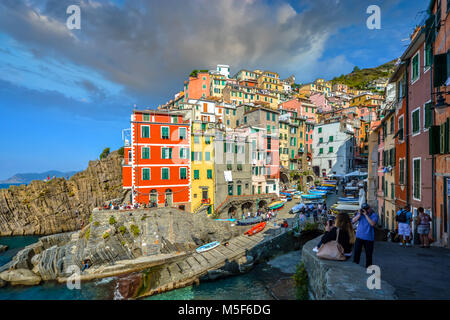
196	174
209	174
440	69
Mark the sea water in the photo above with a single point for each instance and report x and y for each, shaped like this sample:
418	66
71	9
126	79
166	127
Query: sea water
249	286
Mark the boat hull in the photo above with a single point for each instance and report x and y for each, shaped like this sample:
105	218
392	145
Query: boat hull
258	228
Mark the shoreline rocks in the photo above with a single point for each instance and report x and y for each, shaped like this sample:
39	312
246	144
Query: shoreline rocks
3	248
20	277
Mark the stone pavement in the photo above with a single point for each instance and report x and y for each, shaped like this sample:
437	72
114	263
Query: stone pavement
414	272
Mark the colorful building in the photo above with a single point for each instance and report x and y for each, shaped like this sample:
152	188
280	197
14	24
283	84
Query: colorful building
157	168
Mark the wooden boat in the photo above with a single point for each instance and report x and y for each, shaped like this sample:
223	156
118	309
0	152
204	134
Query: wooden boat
322	192
258	228
276	205
330	182
231	220
311	196
348	199
328	185
248	221
208	246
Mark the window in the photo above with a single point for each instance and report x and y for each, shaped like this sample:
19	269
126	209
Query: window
146	117
145	173
164	132
428	118
165	173
145	132
402	171
331	139
182	133
230	189
273	115
196	156
400	128
330	150
428	54
415	71
320	150
166	153
207	140
196	139
196	174
320	140
320	129
392	191
207	156
267	116
330	164
229	166
174	119
416	121
145	153
209	174
183	173
183	153
416	178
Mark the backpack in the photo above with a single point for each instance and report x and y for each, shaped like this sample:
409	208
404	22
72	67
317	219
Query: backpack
402	217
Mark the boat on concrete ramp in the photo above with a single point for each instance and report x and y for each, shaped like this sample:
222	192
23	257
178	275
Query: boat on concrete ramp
277	205
208	246
258	228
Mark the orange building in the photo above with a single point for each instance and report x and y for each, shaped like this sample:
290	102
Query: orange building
197	87
157	159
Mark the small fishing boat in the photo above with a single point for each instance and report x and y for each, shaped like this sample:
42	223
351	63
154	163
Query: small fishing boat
348	199
276	205
297	208
334	182
231	220
322	192
325	188
248	221
311	196
208	246
285	193
328	185
258	228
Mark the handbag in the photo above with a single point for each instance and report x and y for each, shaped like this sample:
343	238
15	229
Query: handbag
332	250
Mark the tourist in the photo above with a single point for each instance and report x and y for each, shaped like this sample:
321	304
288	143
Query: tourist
346	234
423	227
365	234
404	218
315	213
249	214
302	217
166	204
86	264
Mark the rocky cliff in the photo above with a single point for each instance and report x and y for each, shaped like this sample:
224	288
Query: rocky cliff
120	242
60	205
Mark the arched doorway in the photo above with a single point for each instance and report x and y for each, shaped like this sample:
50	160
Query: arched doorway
232	212
247	207
284	178
153	199
169	197
262	204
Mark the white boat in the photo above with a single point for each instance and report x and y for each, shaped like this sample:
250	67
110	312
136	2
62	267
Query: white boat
208	246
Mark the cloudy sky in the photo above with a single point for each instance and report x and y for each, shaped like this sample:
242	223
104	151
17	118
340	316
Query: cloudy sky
67	94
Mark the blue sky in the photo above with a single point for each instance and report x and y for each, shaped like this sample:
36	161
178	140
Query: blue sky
65	95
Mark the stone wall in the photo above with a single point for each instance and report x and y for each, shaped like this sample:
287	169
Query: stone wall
340	280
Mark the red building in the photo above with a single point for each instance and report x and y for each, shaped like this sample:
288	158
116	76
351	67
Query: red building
157	159
438	45
417	123
197	87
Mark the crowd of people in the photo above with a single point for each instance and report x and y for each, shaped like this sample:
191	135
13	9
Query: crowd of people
344	241
265	214
112	205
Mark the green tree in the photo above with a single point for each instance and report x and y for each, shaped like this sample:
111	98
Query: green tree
121	151
301	282
104	154
193	73
356	68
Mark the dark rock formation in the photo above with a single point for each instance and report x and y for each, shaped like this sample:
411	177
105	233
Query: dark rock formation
60	205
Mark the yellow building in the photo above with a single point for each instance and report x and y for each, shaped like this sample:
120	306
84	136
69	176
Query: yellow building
202	167
269	80
238	94
284	143
218	83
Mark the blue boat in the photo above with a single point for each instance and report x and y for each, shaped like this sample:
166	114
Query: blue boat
248	221
286	193
208	246
311	196
317	192
348	199
231	220
325	188
297	208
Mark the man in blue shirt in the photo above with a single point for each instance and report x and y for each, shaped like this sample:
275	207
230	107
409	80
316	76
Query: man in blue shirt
404	217
365	235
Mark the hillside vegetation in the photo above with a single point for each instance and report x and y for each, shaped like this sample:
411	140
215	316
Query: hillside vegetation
361	78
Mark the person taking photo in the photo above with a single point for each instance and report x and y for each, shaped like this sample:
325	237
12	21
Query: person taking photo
365	234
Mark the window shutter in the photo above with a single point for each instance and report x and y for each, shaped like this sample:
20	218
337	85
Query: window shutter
440	69
170	153
434	139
